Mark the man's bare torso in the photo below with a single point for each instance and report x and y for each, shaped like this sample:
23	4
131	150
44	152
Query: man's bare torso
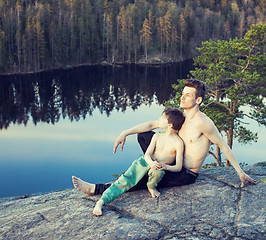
196	144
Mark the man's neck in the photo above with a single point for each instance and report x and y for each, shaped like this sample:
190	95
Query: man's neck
191	112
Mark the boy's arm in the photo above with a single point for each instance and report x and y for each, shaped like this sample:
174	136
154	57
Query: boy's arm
144	127
150	150
178	159
210	131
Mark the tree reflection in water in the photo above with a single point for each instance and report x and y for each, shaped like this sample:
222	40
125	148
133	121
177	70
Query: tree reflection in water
77	92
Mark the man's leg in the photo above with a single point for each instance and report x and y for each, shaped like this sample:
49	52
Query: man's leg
172	179
82	186
144	140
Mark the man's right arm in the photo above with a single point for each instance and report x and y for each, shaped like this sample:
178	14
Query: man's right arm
210	131
143	127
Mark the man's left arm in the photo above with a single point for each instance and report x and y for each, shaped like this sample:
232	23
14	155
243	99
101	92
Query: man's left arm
211	132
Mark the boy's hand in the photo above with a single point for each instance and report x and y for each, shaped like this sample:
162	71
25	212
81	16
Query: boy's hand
155	165
163	166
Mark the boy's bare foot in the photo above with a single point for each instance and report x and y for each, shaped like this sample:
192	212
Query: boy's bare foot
82	186
97	211
154	193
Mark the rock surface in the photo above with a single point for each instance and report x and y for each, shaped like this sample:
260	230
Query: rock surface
212	208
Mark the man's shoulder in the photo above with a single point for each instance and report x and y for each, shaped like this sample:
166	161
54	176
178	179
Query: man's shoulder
202	120
202	117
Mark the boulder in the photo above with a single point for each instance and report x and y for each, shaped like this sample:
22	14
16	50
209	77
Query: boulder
214	207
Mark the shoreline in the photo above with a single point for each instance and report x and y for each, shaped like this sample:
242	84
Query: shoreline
150	62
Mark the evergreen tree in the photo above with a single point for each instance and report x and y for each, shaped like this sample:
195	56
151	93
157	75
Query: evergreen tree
182	31
167	31
122	31
146	36
3	53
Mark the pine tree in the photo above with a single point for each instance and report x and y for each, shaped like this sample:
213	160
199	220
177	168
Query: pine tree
167	30
134	30
146	35
122	31
18	34
3	52
182	31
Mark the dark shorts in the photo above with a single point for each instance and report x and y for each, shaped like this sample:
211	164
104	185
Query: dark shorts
170	179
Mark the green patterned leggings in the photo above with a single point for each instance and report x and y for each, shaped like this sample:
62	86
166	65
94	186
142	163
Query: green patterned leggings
130	178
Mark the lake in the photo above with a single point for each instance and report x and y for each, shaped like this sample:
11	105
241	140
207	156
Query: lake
60	123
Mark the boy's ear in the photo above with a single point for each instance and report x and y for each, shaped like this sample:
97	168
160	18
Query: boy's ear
171	125
199	100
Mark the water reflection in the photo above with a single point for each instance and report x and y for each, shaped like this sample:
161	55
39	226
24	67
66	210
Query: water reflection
75	93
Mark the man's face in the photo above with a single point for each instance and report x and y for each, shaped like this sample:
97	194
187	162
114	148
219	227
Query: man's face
188	98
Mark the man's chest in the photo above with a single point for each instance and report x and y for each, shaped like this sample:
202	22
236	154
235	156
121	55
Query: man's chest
190	134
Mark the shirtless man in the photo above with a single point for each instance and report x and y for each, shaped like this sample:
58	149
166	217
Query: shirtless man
197	132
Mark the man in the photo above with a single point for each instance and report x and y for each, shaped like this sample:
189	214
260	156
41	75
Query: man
197	132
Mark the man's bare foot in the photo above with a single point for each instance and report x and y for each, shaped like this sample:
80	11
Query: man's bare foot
97	211
154	193
82	186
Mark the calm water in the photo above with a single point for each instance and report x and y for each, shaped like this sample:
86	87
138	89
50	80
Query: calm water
62	123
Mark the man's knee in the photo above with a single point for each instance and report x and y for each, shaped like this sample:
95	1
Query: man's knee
142	142
140	137
144	139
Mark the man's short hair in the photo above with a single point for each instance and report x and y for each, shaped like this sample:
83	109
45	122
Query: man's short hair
198	85
174	116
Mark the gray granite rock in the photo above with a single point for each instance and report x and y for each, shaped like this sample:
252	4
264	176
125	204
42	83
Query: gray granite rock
214	207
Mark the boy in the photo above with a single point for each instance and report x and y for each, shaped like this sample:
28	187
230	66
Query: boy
165	152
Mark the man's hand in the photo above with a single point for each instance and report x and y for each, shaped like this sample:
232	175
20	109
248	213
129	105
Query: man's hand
121	139
245	178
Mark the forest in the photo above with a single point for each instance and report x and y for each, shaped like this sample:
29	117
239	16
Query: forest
45	34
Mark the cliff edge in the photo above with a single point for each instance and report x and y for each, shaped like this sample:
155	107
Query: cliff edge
212	208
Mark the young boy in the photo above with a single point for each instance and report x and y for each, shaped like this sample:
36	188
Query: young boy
165	152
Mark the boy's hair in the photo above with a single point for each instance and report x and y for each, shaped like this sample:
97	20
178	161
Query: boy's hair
199	85
174	116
